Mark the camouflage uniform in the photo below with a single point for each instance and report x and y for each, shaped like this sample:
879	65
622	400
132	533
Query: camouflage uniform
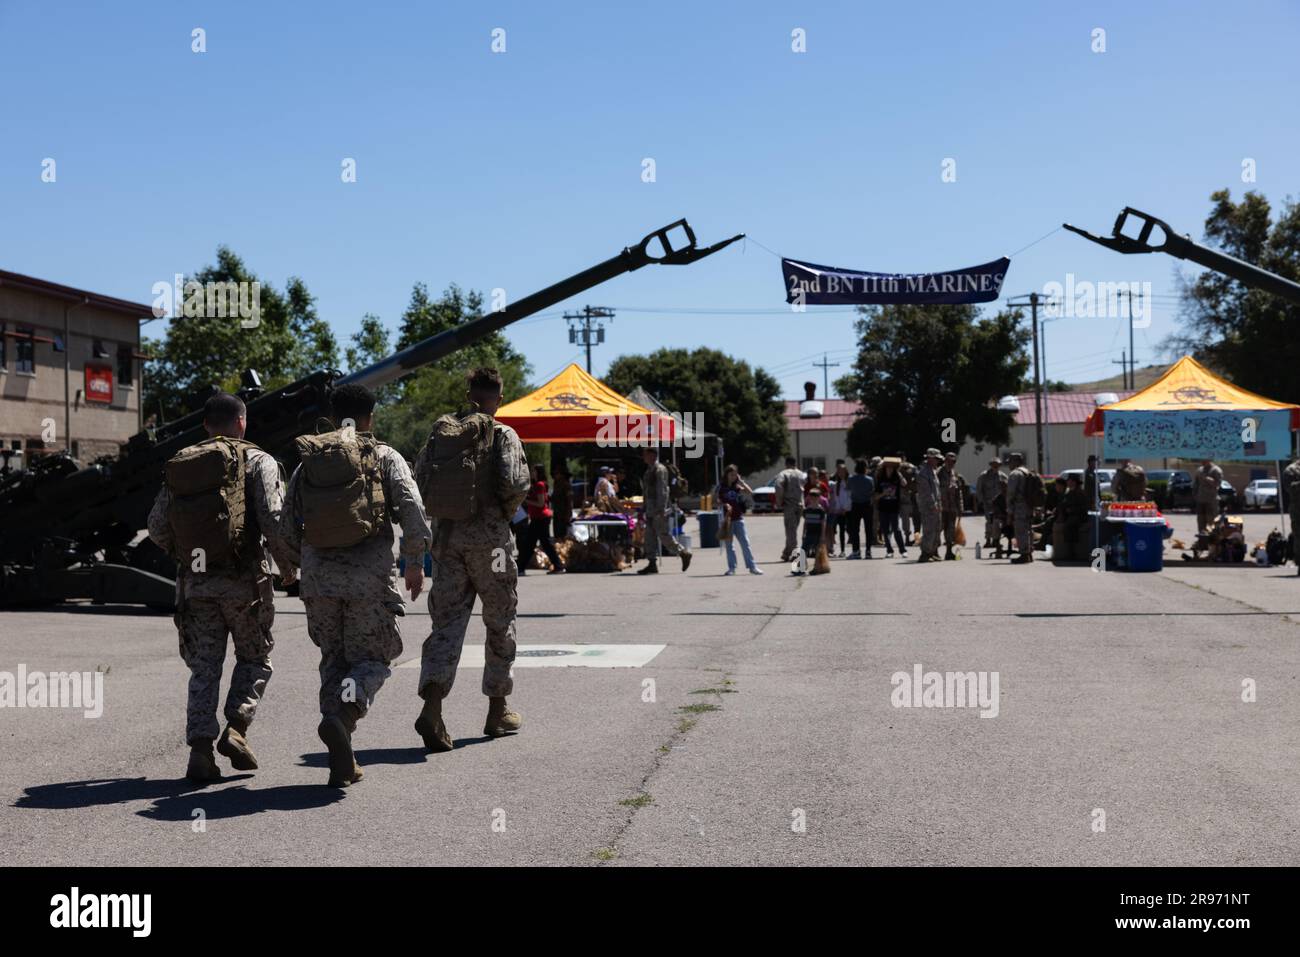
987	489
351	593
1207	496
950	502
1130	483
928	501
907	471
658	520
1021	514
472	559
789	499
236	601
1291	485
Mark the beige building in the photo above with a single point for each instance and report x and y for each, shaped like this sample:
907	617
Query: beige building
819	435
70	370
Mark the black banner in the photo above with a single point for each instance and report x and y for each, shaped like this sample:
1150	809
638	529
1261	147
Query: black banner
814	285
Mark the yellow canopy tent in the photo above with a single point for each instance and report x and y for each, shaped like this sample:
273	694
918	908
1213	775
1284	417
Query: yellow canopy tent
1190	412
577	407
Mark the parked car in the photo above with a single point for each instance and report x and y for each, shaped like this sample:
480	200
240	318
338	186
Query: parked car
764	499
1178	490
1261	494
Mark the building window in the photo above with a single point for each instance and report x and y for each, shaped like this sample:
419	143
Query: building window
25	351
125	366
99	350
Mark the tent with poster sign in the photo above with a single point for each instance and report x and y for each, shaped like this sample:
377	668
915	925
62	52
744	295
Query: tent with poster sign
1191	413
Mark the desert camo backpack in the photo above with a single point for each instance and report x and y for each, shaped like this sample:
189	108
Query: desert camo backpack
1035	489
208	513
454	470
342	488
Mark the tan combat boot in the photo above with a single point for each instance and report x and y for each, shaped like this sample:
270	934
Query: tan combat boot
429	724
203	766
234	745
501	720
336	733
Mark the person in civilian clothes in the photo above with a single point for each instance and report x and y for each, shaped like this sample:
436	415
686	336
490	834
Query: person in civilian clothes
539	521
840	502
735	496
862	488
889	497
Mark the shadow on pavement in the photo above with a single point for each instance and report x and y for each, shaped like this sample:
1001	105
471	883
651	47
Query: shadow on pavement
98	792
242	801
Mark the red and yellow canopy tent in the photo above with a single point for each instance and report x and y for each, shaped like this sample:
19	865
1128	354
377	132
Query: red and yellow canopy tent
577	407
1191	413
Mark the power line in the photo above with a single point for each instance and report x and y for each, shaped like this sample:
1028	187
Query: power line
585	330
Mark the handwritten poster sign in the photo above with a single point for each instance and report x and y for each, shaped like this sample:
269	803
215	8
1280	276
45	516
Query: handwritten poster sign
1229	435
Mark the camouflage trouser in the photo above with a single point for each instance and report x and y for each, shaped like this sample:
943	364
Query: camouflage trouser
791	531
203	624
1022	520
472	565
930	532
950	529
358	638
1207	513
992	527
658	538
905	519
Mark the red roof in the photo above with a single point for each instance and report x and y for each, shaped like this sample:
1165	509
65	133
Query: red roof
1061	408
1058	408
836	414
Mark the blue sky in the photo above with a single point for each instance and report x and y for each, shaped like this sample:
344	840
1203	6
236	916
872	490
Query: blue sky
515	169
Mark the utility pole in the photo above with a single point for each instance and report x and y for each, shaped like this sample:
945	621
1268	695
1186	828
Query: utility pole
1123	364
824	366
1132	354
1034	300
583	333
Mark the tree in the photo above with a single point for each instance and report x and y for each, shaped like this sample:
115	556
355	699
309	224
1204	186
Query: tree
288	342
931	376
739	404
1250	336
409	406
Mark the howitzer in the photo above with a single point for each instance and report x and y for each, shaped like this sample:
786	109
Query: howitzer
1183	247
68	532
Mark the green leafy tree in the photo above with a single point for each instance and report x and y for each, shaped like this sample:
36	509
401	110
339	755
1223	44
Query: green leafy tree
1248	335
920	366
409	406
289	341
739	404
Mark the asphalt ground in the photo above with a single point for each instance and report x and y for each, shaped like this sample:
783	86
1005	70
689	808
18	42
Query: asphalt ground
764	732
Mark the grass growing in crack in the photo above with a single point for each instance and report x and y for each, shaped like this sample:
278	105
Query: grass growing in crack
714	691
685	725
605	854
698	708
641	800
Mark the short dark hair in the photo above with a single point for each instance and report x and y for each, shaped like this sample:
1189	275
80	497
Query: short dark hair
223	409
352	401
789	461
484	379
860	466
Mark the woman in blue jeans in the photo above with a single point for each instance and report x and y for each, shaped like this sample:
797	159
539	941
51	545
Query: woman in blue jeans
734	496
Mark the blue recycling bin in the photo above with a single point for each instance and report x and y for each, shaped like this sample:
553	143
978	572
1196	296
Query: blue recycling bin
1145	545
708	529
